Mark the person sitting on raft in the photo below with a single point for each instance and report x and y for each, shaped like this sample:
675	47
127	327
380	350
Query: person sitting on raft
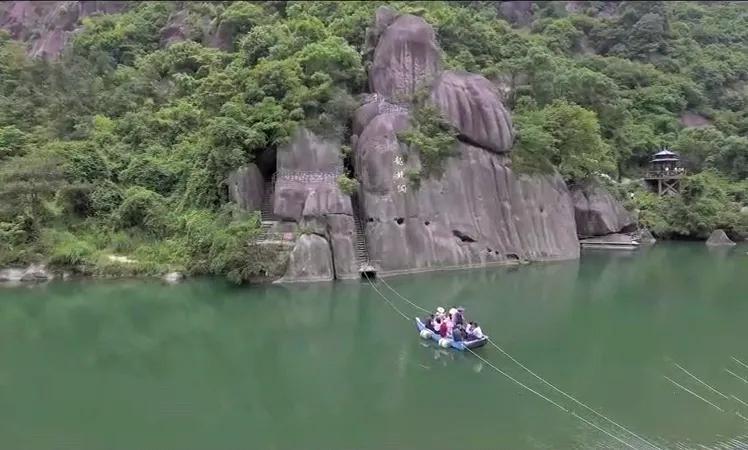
474	331
459	334
443	328
429	323
459	316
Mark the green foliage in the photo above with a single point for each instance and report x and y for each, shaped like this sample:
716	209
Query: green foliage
707	202
27	185
12	142
68	251
144	209
348	185
564	136
432	137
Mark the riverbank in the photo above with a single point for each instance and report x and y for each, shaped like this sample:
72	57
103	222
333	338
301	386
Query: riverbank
122	267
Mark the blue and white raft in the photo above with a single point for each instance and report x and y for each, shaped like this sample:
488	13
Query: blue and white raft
447	342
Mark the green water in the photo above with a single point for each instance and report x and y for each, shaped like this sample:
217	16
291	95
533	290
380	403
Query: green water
204	365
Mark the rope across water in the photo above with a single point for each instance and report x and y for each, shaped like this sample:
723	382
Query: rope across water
528	370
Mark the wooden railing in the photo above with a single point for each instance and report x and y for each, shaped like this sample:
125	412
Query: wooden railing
665	174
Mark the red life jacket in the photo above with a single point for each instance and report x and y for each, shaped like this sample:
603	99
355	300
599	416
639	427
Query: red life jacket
443	329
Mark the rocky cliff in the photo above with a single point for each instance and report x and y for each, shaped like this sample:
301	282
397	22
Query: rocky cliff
308	197
45	26
479	211
598	213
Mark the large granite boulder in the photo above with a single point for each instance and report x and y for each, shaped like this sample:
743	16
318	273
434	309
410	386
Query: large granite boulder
34	272
470	103
328	213
646	237
310	260
719	238
406	56
307	193
614	239
246	187
597	212
341	233
479	212
306	163
47	26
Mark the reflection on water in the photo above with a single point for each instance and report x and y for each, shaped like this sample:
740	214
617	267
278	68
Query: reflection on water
133	364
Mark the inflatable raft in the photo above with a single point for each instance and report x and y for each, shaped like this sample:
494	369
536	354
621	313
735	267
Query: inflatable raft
448	342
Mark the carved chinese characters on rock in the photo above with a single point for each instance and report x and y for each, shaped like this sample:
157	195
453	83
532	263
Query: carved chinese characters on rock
400	175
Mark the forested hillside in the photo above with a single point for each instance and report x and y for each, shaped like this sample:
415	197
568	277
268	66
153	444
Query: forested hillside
122	145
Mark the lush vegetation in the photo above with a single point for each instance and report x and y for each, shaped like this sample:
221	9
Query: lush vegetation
113	158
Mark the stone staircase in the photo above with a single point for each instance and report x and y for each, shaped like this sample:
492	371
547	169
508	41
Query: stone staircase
266	210
362	252
269	219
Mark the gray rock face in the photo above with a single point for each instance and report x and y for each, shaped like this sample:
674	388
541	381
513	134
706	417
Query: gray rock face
307	192
34	272
304	164
173	277
406	56
327	212
479	212
597	212
341	232
719	237
310	260
614	238
246	187
471	103
47	26
646	237
176	29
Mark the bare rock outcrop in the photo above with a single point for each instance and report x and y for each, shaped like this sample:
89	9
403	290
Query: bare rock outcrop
246	187
46	26
406	56
310	260
32	273
307	193
470	103
328	213
646	237
307	162
479	211
719	238
597	212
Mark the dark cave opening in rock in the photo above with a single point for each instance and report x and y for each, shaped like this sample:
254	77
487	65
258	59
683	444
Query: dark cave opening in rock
462	236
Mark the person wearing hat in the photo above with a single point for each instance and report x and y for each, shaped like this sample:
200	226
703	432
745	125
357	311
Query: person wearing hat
440	313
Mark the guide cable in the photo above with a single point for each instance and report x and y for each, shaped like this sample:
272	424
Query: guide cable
524	386
528	370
